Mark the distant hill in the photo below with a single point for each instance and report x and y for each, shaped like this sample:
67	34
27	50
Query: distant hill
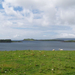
65	39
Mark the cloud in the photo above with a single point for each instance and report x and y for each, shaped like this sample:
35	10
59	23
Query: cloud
51	12
65	3
38	16
66	35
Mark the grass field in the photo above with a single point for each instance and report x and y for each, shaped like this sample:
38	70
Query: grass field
32	62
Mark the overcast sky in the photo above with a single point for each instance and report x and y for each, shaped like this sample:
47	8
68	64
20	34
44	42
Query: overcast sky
38	19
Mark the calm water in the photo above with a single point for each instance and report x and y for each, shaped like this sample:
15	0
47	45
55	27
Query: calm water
37	45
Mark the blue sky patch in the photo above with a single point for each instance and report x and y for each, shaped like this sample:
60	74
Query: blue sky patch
18	8
36	11
1	7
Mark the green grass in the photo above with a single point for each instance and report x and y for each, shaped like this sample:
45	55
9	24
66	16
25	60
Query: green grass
32	62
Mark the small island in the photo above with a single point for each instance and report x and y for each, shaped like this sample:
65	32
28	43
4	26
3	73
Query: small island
29	40
42	40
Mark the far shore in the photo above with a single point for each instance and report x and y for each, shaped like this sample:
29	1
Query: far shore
9	40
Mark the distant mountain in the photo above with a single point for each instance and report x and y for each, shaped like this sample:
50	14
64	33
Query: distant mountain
65	39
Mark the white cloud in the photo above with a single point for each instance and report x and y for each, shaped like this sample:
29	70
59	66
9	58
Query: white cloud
67	35
49	13
53	12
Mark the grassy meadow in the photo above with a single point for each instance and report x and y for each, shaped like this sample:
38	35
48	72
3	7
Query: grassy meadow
33	62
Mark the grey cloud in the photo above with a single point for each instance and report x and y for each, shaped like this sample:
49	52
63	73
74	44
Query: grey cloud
65	3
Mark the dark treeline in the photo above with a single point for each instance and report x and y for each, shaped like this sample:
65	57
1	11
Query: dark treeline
5	40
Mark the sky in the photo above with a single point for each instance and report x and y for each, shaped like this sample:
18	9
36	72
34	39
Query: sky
37	19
